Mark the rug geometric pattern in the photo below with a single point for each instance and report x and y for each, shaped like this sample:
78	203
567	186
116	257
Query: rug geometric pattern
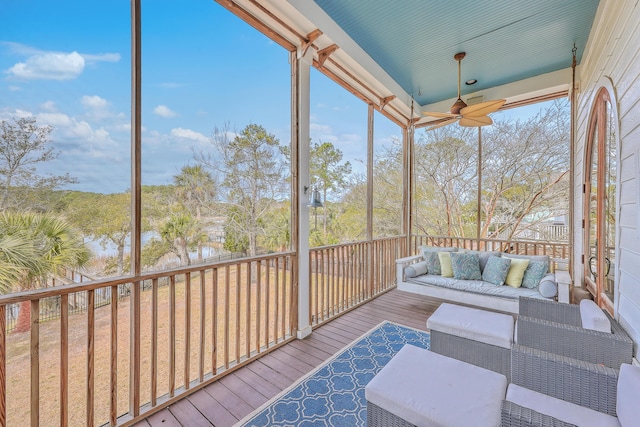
333	394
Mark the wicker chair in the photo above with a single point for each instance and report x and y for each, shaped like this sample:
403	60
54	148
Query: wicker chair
557	328
579	382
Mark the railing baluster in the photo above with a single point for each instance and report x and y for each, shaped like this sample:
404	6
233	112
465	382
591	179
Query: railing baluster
247	341
214	322
187	329
64	360
332	281
113	380
259	305
35	362
203	315
237	328
154	341
134	372
276	301
172	335
268	306
3	365
284	295
90	357
227	309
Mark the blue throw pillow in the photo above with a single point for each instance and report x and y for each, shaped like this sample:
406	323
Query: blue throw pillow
433	262
496	270
465	266
534	273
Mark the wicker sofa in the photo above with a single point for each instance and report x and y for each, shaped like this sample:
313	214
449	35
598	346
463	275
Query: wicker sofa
474	292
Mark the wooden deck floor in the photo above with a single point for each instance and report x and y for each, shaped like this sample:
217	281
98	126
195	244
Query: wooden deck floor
230	399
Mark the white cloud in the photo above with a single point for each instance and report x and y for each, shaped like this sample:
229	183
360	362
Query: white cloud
101	57
171	85
350	137
52	65
14	88
320	128
189	134
49	66
164	111
94	102
49	106
55	119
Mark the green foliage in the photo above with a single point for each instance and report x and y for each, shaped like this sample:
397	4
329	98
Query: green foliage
152	251
181	233
253	175
276	226
23	146
34	246
524	175
195	189
233	241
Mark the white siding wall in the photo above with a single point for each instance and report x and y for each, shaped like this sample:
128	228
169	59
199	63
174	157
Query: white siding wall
612	59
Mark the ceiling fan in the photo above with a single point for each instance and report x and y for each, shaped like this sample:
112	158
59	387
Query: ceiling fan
469	116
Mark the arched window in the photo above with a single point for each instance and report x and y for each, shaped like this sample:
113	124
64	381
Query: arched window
600	189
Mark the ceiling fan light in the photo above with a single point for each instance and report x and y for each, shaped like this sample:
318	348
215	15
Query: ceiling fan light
459	105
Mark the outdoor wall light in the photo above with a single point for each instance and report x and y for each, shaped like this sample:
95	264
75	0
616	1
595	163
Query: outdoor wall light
316	200
471	82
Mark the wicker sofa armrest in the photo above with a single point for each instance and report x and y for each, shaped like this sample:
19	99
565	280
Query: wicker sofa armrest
583	383
550	310
609	349
514	415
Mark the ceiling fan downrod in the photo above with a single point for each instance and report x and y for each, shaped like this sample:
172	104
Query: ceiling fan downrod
459	104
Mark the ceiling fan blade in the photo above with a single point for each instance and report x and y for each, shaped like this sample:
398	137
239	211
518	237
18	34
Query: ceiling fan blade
443	123
472	122
440	115
483	108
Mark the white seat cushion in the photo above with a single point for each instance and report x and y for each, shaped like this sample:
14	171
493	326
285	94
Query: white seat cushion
560	409
593	317
628	405
471	323
428	389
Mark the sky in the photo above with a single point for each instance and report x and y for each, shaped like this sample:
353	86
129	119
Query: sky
68	64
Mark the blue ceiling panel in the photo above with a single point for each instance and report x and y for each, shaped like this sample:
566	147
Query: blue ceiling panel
414	41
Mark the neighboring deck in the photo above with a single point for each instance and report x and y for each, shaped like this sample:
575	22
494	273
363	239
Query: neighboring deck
231	398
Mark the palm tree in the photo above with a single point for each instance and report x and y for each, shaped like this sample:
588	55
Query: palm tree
36	246
195	189
17	255
182	232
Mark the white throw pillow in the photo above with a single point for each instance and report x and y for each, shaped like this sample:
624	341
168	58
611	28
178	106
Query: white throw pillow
548	287
628	391
593	317
417	269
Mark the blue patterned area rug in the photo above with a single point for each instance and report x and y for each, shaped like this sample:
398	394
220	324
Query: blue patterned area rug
333	394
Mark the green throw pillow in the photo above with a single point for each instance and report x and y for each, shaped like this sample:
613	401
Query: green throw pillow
534	274
516	272
465	266
496	270
445	264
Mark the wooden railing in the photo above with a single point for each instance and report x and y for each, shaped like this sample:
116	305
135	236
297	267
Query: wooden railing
177	331
162	335
557	251
344	276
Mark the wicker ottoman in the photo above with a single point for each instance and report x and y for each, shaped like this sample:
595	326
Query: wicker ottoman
421	388
482	338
